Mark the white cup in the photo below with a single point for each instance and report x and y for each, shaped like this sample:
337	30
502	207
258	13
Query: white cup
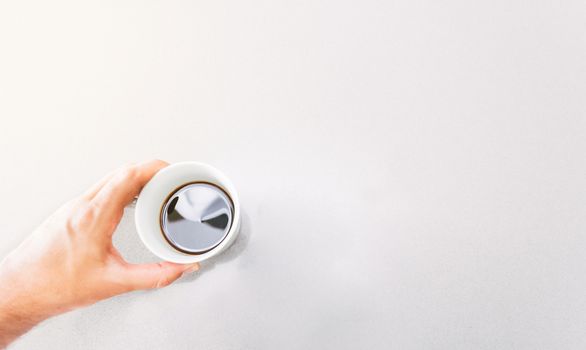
156	192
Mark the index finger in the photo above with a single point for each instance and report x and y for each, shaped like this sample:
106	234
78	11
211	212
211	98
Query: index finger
123	186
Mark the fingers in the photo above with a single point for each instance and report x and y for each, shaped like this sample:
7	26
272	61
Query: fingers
156	275
121	188
95	188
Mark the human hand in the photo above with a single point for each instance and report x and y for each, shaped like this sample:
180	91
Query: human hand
69	261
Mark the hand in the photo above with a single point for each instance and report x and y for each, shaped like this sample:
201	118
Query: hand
70	261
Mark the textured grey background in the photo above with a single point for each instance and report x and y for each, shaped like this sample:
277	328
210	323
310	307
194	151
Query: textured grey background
412	172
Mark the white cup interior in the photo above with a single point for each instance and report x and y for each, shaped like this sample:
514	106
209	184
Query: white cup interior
157	190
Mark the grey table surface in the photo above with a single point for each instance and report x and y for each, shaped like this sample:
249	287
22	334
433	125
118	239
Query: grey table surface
412	173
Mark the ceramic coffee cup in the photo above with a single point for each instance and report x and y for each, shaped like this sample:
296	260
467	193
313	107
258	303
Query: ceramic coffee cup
188	212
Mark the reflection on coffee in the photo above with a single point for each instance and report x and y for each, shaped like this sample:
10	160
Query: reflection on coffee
197	217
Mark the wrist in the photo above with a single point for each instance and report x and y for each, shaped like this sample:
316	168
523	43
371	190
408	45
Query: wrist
22	305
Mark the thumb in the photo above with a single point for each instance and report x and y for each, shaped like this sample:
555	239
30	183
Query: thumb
156	275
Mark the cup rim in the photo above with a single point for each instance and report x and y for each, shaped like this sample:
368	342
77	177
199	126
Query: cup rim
151	201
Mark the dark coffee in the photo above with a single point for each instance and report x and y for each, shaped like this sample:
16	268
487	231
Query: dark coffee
197	217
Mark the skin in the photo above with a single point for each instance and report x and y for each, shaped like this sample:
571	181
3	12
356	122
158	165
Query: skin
70	262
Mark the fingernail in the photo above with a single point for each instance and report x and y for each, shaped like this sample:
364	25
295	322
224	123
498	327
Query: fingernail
192	268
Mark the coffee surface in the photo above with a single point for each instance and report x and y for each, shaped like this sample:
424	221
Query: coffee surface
196	217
